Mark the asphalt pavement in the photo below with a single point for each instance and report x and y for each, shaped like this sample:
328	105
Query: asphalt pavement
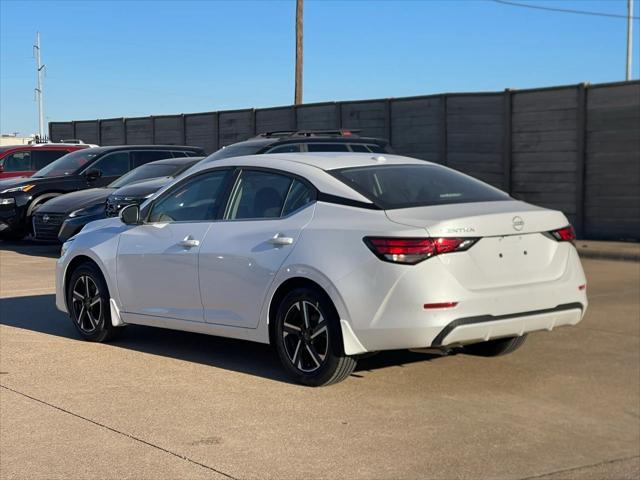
169	405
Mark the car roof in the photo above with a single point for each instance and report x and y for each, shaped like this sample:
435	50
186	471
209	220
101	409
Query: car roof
27	146
322	160
314	167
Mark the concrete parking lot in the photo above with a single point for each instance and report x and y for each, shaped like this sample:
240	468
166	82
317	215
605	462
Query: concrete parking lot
162	404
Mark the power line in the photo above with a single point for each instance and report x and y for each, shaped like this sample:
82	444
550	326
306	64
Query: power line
563	10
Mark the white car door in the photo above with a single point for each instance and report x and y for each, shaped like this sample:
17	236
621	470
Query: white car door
157	262
241	255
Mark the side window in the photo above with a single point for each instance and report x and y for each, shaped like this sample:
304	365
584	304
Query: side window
195	200
327	147
112	165
376	149
290	148
299	195
145	156
258	194
42	158
17	161
359	148
179	154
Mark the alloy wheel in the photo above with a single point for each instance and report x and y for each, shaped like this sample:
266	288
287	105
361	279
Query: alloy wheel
87	304
305	336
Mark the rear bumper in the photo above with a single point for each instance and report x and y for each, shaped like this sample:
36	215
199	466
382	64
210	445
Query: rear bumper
390	313
486	327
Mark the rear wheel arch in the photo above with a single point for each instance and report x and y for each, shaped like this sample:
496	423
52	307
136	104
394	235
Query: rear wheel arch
288	286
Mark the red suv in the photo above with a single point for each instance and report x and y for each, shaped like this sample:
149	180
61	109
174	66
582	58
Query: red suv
25	160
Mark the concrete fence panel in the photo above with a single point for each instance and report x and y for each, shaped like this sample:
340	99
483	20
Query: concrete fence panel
201	130
612	172
572	148
139	131
112	132
169	130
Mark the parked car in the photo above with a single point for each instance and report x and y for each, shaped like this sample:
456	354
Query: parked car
67	214
303	141
25	160
79	170
327	257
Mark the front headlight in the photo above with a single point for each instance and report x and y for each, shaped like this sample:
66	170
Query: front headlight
65	247
23	188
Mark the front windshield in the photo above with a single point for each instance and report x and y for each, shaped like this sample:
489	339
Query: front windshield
145	172
67	164
234	151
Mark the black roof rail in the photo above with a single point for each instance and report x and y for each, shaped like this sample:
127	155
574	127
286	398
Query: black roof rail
310	133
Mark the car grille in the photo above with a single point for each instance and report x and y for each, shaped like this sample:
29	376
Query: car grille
115	204
47	225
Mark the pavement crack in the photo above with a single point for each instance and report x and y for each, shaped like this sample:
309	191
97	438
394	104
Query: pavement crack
114	430
604	462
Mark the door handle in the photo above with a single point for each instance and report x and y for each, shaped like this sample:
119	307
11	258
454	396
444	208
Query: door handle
189	242
279	239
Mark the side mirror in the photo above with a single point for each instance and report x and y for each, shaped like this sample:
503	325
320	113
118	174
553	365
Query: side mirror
130	215
93	174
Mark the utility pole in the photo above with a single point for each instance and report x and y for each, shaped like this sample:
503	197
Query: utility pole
39	74
298	92
629	37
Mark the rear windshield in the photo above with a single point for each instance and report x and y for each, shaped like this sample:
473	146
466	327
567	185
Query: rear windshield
404	186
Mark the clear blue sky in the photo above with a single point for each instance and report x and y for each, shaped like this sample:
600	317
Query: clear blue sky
124	58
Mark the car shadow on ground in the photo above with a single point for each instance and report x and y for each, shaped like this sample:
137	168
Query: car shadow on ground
38	313
32	248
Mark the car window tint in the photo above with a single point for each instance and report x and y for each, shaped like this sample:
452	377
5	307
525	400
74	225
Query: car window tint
403	186
359	148
291	148
42	158
179	154
376	149
145	156
112	165
327	147
258	195
300	194
194	200
17	161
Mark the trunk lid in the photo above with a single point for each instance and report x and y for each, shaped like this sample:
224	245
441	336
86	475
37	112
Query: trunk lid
512	249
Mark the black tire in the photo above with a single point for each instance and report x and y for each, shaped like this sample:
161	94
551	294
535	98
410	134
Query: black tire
494	348
310	345
88	304
13	235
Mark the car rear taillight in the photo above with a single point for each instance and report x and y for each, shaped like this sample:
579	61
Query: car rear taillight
414	250
566	234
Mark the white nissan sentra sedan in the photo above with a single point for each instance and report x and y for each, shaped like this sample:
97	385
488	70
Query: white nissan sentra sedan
327	257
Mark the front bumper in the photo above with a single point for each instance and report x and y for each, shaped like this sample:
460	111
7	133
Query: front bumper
71	226
13	215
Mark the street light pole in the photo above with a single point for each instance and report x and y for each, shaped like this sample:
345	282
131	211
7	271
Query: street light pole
298	87
39	92
629	37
